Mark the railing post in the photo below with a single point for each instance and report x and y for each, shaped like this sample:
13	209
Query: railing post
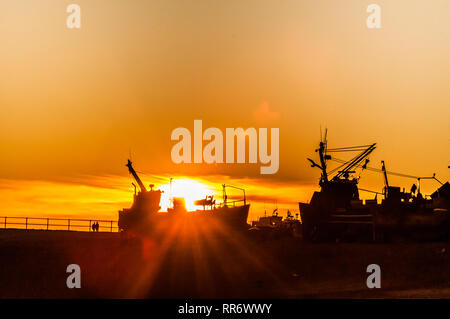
26	223
47	223
111	226
68	224
90	221
5	221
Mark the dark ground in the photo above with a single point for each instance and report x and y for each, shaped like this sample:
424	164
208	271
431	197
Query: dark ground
213	265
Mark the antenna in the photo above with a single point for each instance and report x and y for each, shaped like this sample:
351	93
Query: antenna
171	194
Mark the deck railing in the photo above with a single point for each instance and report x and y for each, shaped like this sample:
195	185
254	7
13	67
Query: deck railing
234	203
70	224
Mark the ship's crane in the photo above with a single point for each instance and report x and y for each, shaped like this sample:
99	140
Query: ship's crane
346	168
355	161
135	175
386	183
430	177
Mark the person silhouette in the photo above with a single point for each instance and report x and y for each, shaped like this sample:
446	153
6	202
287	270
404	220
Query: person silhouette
93	227
97	226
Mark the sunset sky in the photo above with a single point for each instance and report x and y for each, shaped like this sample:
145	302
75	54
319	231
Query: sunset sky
74	103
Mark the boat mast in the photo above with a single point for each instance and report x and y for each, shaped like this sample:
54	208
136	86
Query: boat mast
323	162
323	158
224	195
171	194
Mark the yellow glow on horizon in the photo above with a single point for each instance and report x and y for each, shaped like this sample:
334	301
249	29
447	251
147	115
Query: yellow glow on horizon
190	189
95	197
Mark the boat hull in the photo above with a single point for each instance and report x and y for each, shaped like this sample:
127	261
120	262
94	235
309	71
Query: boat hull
231	218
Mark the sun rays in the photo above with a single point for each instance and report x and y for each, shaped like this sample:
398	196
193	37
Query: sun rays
206	259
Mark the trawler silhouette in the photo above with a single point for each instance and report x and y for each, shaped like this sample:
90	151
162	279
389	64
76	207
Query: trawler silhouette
336	212
144	216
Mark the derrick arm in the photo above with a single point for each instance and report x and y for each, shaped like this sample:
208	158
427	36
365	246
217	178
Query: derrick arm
358	159
135	175
383	168
386	182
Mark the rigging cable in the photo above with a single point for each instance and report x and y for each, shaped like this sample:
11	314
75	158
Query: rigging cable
378	170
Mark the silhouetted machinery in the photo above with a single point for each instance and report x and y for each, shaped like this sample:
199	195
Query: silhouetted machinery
144	215
145	204
276	226
336	212
411	214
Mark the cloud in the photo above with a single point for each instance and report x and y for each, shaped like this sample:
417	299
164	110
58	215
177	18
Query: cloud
263	113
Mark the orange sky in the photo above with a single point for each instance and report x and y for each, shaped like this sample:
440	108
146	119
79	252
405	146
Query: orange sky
73	103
